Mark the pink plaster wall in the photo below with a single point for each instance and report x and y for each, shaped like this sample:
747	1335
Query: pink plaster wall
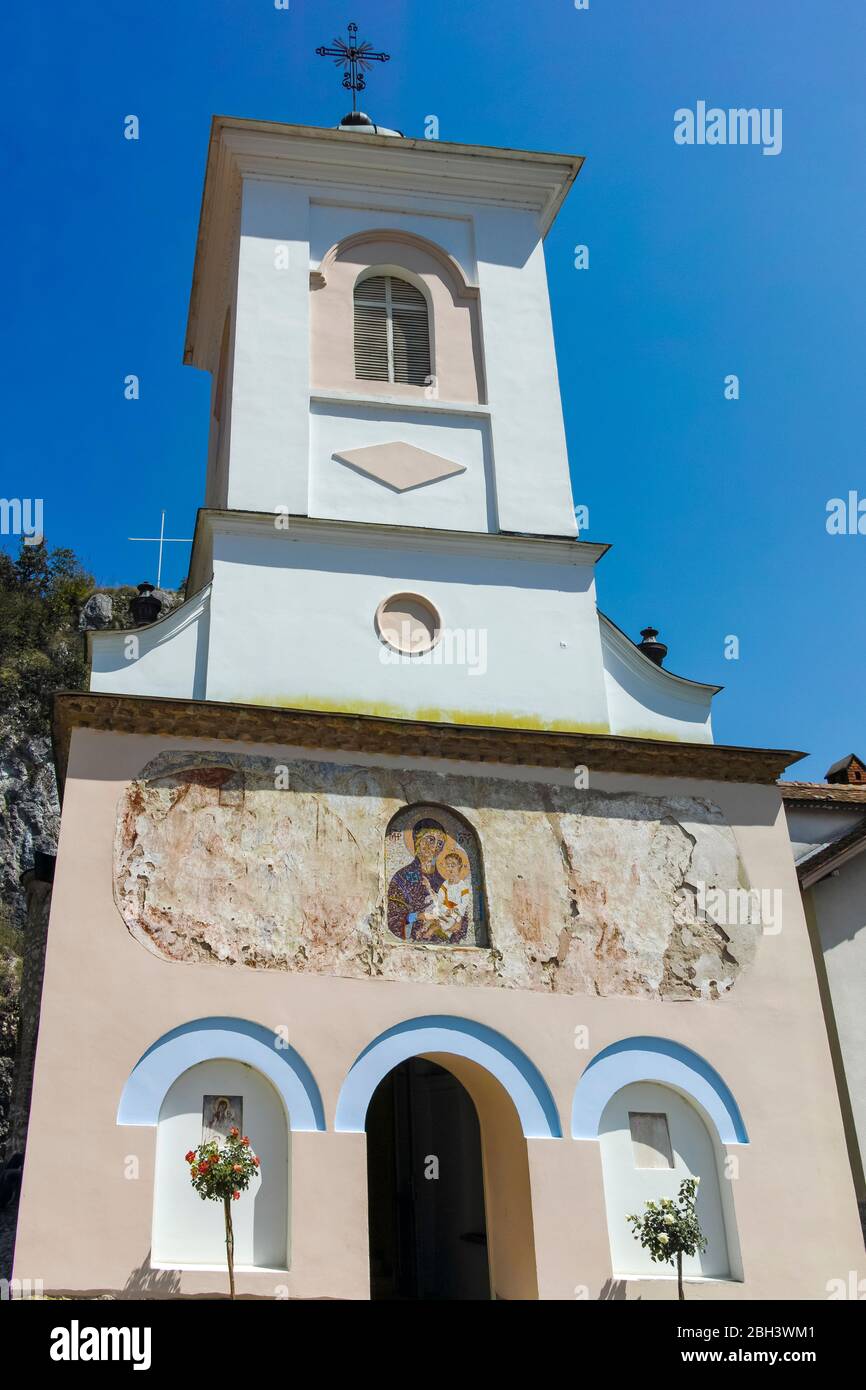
106	999
456	360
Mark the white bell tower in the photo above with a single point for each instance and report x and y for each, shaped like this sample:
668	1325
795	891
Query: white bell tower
388	526
300	229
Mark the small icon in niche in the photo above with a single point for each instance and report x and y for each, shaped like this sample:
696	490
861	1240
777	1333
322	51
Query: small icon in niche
219	1115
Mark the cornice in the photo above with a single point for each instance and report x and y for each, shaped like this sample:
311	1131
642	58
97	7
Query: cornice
540	549
128	714
321	395
520	178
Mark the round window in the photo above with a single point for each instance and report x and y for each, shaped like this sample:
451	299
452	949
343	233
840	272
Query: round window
408	623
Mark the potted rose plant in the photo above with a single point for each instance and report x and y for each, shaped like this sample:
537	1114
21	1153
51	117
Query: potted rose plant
670	1229
222	1173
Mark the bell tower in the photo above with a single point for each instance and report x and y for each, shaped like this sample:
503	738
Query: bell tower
375	315
388	527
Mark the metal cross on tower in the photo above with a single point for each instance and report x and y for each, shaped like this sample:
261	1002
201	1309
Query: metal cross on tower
355	58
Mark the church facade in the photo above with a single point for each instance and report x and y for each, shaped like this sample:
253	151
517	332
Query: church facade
387	845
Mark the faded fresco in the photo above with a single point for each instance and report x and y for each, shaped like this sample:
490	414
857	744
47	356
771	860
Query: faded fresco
434	879
583	892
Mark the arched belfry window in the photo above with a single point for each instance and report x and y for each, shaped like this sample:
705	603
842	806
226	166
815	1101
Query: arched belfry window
392	331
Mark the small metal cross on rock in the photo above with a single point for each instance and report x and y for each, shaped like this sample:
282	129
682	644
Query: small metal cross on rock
163	540
355	58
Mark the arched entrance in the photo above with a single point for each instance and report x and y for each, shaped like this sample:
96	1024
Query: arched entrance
425	1183
514	1105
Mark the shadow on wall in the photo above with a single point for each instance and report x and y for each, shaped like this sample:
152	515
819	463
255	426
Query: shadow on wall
613	1291
145	1282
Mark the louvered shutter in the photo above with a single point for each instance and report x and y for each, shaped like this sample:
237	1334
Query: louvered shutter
371	330
411	333
392	332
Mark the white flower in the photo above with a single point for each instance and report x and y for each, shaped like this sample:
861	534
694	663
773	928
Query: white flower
669	1221
663	1240
697	1181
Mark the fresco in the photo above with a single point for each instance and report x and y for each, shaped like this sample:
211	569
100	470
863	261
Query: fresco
433	872
578	892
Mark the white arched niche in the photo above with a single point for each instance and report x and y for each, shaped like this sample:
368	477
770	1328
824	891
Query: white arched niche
652	1137
189	1232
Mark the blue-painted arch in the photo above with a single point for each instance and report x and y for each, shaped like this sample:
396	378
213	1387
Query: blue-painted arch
210	1039
460	1037
654	1059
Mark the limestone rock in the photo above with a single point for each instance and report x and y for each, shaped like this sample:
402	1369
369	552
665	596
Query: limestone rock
29	813
96	613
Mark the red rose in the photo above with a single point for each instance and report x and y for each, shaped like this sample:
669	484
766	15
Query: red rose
234	1131
245	1140
237	1168
255	1161
235	1196
190	1156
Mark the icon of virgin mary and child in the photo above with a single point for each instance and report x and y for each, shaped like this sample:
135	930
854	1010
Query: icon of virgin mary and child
430	899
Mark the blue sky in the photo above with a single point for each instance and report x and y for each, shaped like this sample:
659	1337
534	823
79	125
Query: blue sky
704	261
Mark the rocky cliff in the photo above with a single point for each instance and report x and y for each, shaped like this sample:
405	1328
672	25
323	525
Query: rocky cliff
47	604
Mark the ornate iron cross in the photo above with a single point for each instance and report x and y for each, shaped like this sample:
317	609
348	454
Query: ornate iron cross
355	58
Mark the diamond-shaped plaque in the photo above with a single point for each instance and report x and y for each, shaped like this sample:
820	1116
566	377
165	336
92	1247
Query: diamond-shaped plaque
399	466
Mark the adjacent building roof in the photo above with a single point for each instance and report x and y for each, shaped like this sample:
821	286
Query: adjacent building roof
823	792
851	769
839	841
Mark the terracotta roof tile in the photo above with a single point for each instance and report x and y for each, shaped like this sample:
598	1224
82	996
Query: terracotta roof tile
822	791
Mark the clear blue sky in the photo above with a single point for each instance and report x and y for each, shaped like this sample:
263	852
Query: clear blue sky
704	261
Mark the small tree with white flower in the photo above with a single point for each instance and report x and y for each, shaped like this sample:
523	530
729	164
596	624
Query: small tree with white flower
670	1229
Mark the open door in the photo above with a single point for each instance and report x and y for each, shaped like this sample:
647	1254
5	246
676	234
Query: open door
428	1235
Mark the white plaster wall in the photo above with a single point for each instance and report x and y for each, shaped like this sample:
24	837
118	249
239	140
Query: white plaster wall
270	383
169	657
460	503
532	480
840	914
627	1188
651	702
188	1231
289	620
219	443
332	222
293	623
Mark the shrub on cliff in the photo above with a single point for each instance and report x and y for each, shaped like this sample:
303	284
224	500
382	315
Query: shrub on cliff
41	593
